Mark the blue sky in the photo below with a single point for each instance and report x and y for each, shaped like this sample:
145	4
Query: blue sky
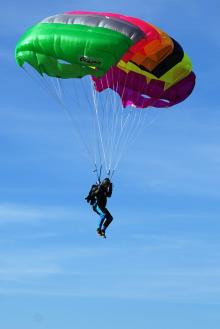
159	266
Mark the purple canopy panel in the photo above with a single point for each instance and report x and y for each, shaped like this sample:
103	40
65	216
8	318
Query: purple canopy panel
181	90
134	89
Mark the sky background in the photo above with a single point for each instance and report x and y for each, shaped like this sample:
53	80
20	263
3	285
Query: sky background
159	266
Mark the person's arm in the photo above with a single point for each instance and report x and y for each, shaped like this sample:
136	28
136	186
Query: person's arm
109	191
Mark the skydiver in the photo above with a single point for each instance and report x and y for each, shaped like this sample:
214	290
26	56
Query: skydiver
97	198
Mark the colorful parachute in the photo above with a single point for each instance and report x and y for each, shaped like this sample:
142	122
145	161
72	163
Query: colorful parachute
148	67
140	62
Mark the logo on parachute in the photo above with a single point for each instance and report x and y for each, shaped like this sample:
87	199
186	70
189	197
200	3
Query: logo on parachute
89	60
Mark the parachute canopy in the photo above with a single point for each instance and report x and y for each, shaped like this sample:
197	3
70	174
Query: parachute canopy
143	64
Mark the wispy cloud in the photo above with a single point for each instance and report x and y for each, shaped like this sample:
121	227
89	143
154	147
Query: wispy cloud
74	269
169	287
25	214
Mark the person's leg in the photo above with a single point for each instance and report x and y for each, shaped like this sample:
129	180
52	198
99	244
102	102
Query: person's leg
108	220
94	207
102	217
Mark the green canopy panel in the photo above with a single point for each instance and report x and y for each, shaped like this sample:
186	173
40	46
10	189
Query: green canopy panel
71	50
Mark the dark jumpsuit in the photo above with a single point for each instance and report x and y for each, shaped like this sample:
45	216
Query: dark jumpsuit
99	194
100	206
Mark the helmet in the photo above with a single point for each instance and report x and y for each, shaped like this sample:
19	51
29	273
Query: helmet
106	181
